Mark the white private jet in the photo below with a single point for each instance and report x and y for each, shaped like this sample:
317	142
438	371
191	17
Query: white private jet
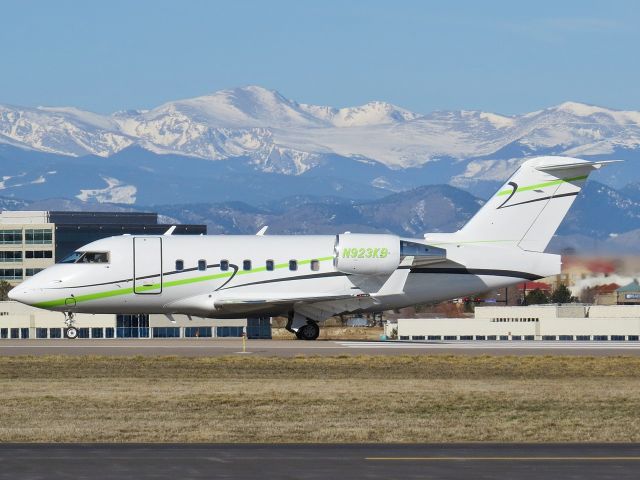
312	277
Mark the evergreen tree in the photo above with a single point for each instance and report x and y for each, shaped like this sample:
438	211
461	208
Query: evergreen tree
4	290
536	297
561	294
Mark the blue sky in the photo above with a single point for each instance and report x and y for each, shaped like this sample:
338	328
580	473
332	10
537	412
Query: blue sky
507	57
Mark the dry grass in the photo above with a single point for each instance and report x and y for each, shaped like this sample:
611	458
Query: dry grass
339	399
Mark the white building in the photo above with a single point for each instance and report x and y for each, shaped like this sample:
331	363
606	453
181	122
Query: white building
18	321
536	322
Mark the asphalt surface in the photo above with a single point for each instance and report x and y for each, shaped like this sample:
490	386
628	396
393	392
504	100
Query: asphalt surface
288	348
467	461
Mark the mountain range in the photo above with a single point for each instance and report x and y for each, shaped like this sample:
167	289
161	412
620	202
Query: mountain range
252	153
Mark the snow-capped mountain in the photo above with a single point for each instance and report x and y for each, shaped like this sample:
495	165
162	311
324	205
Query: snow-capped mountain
282	135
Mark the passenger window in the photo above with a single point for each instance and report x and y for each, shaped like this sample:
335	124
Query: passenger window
202	265
246	264
179	265
224	265
315	265
293	265
270	265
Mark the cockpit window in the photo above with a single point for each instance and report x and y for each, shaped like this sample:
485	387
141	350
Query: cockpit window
72	258
87	257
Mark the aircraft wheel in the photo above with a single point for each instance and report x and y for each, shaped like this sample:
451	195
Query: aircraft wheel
71	333
310	331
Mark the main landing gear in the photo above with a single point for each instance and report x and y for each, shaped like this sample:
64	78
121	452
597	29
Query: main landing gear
310	331
303	327
70	331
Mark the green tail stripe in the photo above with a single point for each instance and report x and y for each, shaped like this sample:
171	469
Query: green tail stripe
156	286
542	185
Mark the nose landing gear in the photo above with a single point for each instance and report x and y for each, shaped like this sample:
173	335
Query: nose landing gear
70	331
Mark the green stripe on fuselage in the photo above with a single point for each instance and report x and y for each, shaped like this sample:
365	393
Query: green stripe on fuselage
542	185
174	283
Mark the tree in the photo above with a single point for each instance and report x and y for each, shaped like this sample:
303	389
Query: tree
561	294
4	290
536	297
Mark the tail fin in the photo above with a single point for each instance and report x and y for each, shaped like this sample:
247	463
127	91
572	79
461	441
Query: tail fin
528	209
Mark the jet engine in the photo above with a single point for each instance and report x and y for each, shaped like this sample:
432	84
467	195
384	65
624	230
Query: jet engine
367	254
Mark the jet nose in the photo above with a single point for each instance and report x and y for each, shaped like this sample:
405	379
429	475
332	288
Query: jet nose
21	294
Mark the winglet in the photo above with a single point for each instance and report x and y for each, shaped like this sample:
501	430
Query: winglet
262	231
170	231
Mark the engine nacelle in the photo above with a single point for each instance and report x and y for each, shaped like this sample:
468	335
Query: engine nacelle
367	254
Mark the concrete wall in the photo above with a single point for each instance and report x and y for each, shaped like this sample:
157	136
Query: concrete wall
532	321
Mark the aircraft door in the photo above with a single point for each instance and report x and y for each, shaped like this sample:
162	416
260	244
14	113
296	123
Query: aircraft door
147	265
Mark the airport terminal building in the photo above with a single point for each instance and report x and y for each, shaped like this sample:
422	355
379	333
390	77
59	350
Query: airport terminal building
33	240
18	321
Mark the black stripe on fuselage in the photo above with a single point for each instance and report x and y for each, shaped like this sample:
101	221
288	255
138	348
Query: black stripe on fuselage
286	279
541	199
477	271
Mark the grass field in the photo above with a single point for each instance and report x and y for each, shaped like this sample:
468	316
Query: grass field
307	399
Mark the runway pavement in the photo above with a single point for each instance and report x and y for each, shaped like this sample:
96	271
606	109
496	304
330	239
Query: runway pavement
287	348
466	461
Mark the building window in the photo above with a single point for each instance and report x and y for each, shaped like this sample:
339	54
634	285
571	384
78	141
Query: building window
634	338
434	337
466	337
10	274
10	237
15	333
548	337
132	326
491	337
30	272
293	265
270	265
565	338
480	337
55	333
202	265
38	254
450	337
504	337
516	337
10	256
109	332
315	265
404	337
97	332
583	338
4	333
41	333
600	338
24	333
179	265
224	265
83	333
229	331
246	265
618	338
197	332
37	236
166	332
417	337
